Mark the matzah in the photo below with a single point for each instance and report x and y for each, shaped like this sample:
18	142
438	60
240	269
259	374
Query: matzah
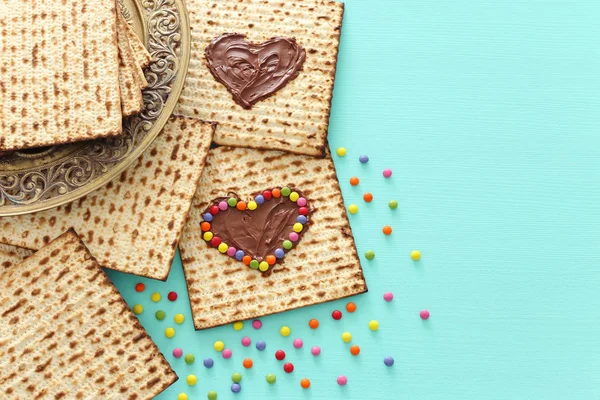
142	55
65	332
59	80
12	255
133	224
296	117
323	266
129	80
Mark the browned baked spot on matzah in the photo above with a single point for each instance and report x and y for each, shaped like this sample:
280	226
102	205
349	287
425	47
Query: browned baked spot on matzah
323	266
12	255
65	332
295	118
134	223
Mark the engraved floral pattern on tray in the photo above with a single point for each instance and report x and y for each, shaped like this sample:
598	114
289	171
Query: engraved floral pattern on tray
61	172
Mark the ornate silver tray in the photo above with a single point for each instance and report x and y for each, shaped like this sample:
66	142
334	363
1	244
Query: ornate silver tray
43	178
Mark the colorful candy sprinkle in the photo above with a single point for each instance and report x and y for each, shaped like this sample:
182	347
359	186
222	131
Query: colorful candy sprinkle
353	208
235	388
246	341
256	324
288	367
298	343
208	236
169	332
387	173
294	236
368	197
354	350
424	314
139	287
214	210
138	309
369	254
316	350
342	380
238	325
393	204
247	363
223	206
231	202
337	315
389	361
280	355
301	202
254	264
346	337
191	380
294	196
231	251
177	353
182	396
241	205
263	266
373	325
261	345
252	205
341	151
285	331
350	307
285	191
179	318
223	248
305	383
205	226
212	395
354	181
287	244
279	253
189	359
236	377
387	230
155	297
271	378
208	217
227	353
219	346
208	362
160	315
363	159
313	323
259	199
388	296
297	227
415	255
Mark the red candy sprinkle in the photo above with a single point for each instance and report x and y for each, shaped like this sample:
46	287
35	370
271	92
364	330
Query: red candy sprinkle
172	296
337	315
267	194
288	367
140	287
303	211
214	210
280	355
215	241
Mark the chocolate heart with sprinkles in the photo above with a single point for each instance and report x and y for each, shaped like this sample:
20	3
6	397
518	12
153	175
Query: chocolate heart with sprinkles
260	232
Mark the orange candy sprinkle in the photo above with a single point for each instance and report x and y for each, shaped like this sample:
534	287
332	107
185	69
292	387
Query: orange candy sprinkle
305	383
246	260
205	226
140	287
276	193
313	323
351	307
368	197
354	181
241	205
248	363
270	260
354	350
387	230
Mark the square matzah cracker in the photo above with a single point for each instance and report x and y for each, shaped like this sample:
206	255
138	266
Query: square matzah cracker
134	223
323	266
12	255
65	332
296	117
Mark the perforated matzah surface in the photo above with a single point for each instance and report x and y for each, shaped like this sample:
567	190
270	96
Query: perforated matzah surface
12	255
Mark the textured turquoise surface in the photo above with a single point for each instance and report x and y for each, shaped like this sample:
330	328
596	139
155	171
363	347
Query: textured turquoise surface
488	113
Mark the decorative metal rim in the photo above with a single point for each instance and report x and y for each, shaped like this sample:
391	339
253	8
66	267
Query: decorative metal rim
169	41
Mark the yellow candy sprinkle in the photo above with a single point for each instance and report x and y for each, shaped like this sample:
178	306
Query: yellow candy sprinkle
223	248
178	318
415	255
263	266
252	205
219	346
298	227
285	331
341	151
169	332
182	396
208	236
191	380
155	297
346	337
137	309
353	208
373	325
238	325
294	196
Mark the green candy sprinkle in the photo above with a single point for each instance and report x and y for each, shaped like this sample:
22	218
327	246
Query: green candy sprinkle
160	315
286	191
370	254
287	244
212	395
254	264
236	377
232	202
271	378
393	204
189	358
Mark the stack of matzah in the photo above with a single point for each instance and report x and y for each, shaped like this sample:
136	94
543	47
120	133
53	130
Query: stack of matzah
69	71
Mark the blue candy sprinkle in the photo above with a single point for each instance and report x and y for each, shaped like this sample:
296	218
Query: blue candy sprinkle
363	159
301	219
239	255
261	345
279	253
207	217
235	388
259	199
389	361
208	362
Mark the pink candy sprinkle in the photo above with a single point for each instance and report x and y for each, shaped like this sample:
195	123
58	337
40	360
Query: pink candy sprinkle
342	380
294	237
424	314
246	341
177	352
256	324
226	353
298	343
231	251
316	350
301	202
387	173
223	206
388	296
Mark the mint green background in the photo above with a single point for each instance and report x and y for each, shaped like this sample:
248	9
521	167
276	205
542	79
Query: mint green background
488	113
